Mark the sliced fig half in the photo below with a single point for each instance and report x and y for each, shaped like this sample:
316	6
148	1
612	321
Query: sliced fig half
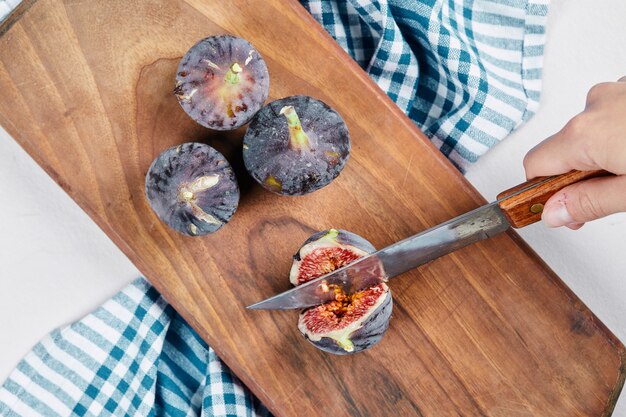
192	188
350	323
326	251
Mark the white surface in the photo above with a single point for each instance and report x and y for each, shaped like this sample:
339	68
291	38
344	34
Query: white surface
56	264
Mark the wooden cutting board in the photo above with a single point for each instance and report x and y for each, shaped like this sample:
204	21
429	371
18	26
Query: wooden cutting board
487	331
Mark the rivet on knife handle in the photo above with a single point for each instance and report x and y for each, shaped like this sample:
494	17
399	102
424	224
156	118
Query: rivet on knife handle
525	207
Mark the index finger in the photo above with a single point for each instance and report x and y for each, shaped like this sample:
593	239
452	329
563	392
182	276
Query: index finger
562	152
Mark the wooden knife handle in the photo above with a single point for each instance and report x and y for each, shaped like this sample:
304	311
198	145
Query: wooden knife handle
525	208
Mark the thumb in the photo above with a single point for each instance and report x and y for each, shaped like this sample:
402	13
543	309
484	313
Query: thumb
585	201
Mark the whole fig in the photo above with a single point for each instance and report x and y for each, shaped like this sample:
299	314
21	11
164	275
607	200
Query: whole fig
221	82
192	188
296	145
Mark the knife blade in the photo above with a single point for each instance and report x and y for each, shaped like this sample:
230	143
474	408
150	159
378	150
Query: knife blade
396	259
516	207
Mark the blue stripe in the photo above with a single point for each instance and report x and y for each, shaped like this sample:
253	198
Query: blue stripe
75	352
59	367
171	385
189	383
27	398
92	335
501	43
44	383
497	19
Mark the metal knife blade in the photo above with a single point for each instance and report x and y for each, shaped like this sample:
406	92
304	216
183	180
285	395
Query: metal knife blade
476	225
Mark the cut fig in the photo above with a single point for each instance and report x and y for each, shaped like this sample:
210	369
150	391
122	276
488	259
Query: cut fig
192	188
326	251
350	323
296	145
222	82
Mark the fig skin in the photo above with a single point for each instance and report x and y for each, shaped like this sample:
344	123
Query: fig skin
296	145
192	188
343	237
364	332
222	82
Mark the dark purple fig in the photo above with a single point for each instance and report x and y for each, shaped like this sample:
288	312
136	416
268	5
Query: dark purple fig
349	323
222	81
296	145
192	188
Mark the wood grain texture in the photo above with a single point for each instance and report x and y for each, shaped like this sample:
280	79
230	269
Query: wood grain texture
520	209
486	331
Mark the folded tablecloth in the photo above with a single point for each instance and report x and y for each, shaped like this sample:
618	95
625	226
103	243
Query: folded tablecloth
467	72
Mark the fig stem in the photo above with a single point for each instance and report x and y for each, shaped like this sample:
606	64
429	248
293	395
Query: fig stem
187	194
200	184
331	235
346	344
197	211
203	183
232	76
298	139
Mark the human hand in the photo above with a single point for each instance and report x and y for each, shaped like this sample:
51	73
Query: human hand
594	139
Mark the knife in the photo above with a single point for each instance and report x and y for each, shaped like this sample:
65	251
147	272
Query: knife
517	207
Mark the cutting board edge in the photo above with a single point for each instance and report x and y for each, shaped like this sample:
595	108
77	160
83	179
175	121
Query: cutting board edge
23	8
582	307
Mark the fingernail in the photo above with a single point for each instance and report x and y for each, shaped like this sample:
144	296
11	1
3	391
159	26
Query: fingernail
555	213
574	226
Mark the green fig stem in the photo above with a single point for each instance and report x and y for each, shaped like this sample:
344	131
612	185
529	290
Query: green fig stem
298	139
332	234
232	76
346	344
330	237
